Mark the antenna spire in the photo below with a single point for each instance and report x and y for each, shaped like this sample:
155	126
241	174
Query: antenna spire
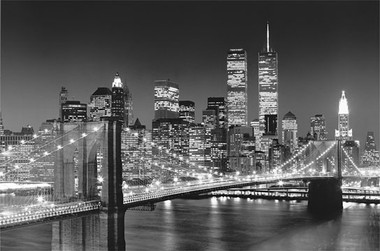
267	36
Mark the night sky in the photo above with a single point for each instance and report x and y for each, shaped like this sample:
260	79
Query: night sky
323	48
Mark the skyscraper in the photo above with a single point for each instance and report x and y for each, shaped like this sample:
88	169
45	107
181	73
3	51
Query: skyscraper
1	125
128	106
268	89
187	110
289	131
166	99
74	111
117	107
318	127
219	105
237	99
100	104
63	96
343	132
370	155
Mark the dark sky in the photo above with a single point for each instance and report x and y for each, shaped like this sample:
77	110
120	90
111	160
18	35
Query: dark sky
323	48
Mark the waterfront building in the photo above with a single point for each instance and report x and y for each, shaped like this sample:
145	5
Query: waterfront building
237	77
74	111
166	99
241	149
100	104
268	90
370	155
187	110
343	132
318	127
289	131
117	105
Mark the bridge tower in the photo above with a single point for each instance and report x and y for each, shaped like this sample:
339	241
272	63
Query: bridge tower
79	178
325	195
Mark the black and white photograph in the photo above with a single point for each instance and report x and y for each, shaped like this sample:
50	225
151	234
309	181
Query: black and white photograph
189	125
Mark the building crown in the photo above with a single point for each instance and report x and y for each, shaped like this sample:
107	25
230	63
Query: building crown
117	81
343	106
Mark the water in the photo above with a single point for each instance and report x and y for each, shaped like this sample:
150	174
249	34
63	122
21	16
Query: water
221	224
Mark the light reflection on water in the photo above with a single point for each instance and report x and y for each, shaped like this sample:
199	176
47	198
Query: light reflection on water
223	224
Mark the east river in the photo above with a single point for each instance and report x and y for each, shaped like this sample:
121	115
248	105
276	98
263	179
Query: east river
223	224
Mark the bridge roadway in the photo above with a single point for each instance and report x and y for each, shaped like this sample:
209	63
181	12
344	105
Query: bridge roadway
171	192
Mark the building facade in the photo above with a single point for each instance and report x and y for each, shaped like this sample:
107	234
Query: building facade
187	110
166	99
117	105
74	111
318	127
237	98
289	131
343	132
370	155
100	104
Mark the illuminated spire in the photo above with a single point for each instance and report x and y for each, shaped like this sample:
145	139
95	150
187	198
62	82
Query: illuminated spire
117	81
343	106
267	36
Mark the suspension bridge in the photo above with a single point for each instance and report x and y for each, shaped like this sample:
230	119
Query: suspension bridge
84	183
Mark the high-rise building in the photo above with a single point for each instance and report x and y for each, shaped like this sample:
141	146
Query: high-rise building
74	111
351	148
63	96
219	105
200	145
255	124
268	89
166	99
370	155
343	132
100	104
117	105
241	149
318	127
209	118
187	110
237	77
128	106
1	124
289	131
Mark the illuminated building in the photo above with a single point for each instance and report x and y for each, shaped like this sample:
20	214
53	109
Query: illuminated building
318	127
276	154
289	131
209	118
136	150
370	155
241	149
268	90
1	125
117	105
128	106
100	104
63	96
351	147
255	124
219	105
237	101
166	99
200	145
187	110
219	155
343	132
74	111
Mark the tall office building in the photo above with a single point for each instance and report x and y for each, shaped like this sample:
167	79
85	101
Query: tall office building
343	132
166	99
128	106
1	125
187	110
117	106
209	118
74	111
241	149
370	155
63	96
237	98
318	127
289	131
219	105
200	145
100	104
268	90
255	124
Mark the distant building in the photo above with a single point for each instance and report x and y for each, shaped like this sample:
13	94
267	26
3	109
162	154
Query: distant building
352	149
318	127
289	131
209	118
74	111
255	124
370	155
268	90
63	97
200	145
343	132
100	104
128	106
166	99
219	105
117	105
276	155
187	110
241	149
1	124
237	77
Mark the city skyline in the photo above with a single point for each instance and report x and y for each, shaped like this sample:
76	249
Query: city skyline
337	52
